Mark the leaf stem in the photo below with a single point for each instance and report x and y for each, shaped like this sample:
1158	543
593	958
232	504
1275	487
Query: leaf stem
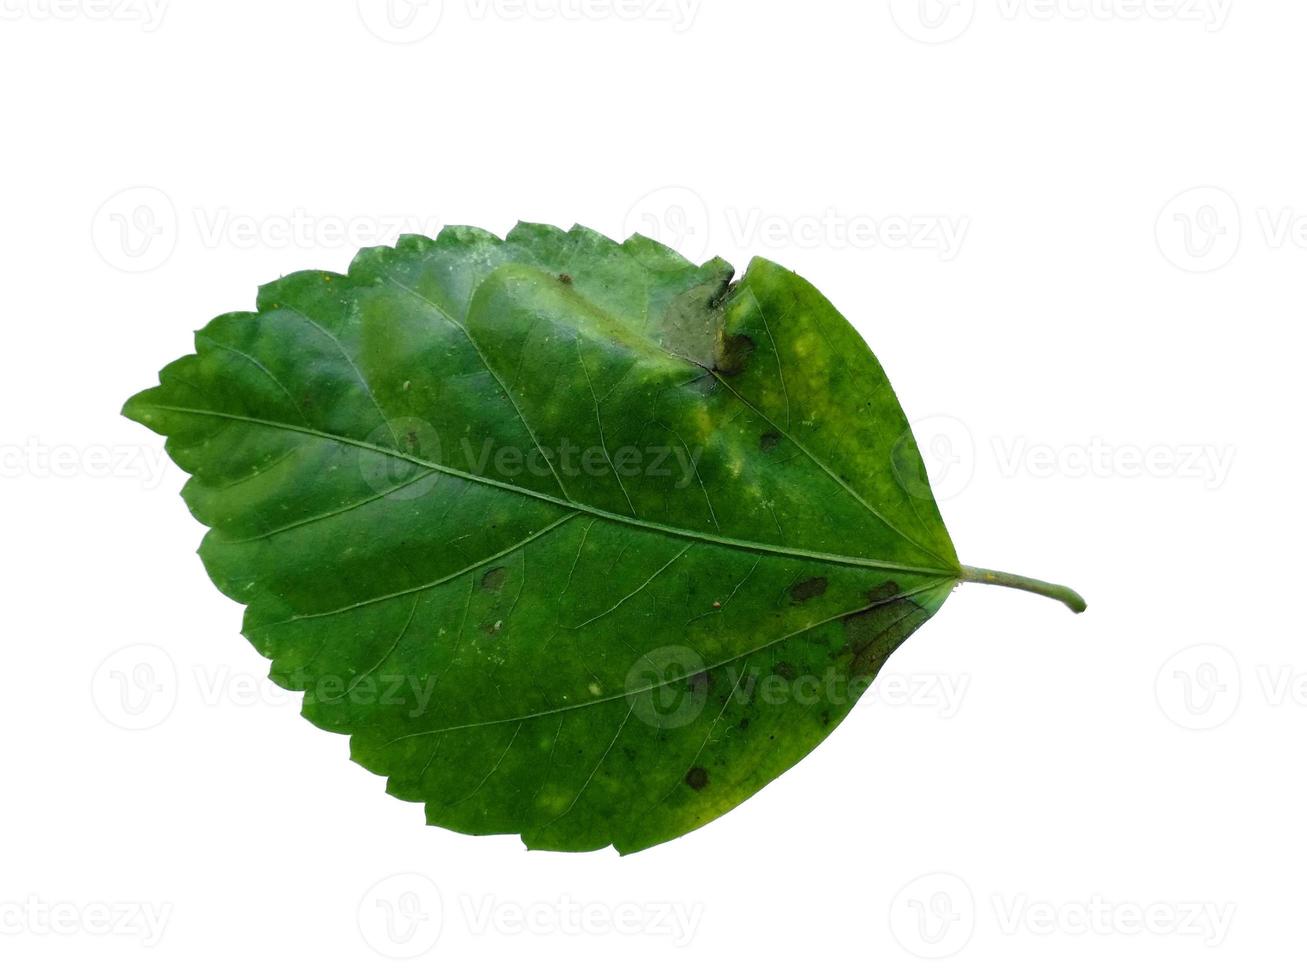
987	576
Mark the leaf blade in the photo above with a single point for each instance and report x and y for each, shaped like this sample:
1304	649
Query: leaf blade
329	433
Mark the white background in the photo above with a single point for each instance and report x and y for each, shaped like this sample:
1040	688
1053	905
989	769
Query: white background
1094	318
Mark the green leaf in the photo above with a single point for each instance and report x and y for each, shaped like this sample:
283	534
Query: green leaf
575	540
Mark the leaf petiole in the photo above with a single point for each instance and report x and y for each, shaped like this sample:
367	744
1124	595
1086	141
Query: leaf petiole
1061	593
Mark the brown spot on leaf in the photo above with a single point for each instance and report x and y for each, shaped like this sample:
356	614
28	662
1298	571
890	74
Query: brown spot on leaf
697	778
876	632
769	441
883	592
786	670
493	580
808	589
565	278
732	352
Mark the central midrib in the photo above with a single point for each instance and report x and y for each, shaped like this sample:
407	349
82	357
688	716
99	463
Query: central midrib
669	529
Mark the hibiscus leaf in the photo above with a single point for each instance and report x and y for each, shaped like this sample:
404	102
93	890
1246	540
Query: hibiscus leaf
575	540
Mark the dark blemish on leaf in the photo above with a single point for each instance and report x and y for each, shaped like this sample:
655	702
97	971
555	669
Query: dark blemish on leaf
493	580
769	441
824	719
882	592
808	589
876	632
697	778
493	628
744	724
786	670
724	293
565	278
732	352
705	384
865	663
